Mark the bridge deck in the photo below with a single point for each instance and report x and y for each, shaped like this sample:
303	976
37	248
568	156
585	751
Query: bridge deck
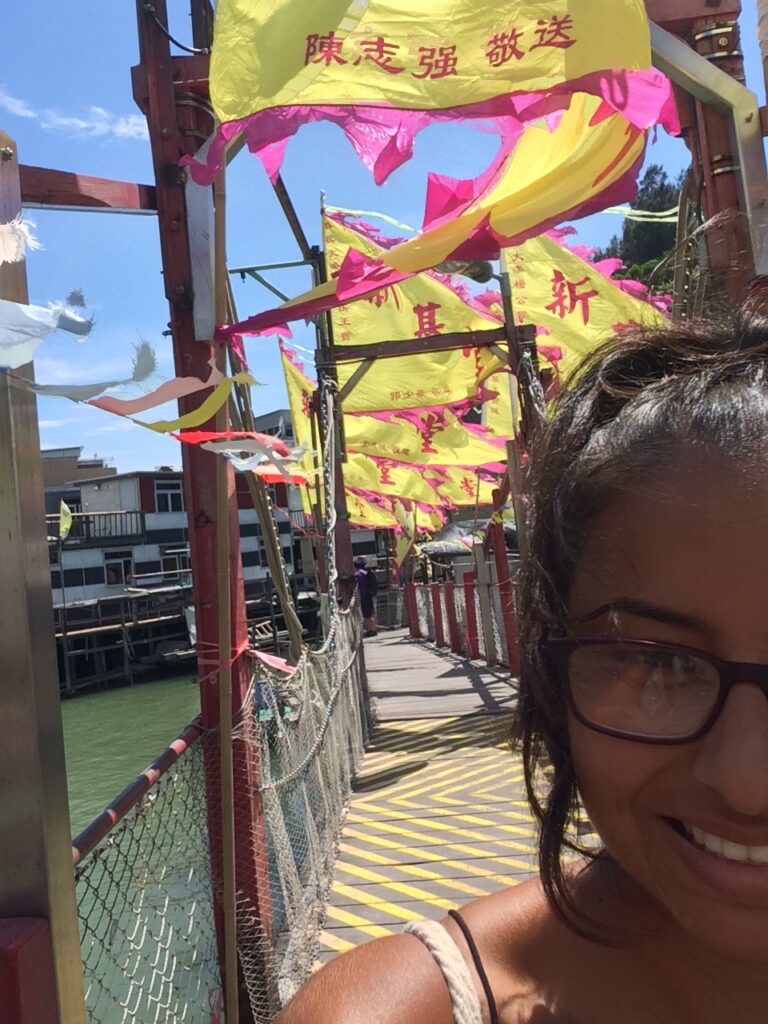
439	815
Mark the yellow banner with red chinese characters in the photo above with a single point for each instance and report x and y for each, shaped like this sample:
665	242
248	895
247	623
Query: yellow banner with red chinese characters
416	308
429	438
416	56
367	513
405	533
300	390
576	305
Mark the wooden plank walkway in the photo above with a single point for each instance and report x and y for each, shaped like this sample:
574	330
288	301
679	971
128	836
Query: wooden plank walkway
439	815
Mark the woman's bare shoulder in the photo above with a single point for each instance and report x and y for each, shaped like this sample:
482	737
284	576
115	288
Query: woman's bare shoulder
387	981
396	981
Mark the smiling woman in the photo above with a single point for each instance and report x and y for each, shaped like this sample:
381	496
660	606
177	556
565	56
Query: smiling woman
644	641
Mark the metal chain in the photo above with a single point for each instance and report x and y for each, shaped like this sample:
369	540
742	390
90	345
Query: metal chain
328	389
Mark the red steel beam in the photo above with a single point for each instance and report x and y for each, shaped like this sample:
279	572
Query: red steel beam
44	186
176	129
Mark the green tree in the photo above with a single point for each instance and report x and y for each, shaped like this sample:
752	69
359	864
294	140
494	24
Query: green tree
642	245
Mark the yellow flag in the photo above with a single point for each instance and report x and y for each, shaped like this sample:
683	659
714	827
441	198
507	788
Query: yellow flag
405	534
424	439
417	307
65	520
548	177
417	56
579	307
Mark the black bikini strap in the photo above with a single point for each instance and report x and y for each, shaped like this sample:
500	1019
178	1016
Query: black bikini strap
493	1012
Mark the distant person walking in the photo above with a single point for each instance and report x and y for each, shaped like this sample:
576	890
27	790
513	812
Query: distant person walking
367	586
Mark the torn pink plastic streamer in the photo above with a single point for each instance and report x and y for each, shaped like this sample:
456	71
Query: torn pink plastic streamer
361	275
383	137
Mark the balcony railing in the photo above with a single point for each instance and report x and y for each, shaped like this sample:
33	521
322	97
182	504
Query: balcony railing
89	528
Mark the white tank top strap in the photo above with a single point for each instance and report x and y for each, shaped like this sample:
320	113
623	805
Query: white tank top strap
447	955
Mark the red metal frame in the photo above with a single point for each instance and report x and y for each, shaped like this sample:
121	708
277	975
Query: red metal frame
412	610
506	596
473	642
173	131
453	623
43	186
437	614
27	990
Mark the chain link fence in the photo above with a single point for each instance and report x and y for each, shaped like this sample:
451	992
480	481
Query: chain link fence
145	903
148	888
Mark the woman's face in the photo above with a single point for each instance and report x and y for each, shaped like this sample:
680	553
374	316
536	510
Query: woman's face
697	556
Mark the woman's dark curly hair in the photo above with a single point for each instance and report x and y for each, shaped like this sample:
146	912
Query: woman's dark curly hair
646	400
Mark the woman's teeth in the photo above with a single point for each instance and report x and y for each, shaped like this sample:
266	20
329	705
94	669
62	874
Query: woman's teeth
725	848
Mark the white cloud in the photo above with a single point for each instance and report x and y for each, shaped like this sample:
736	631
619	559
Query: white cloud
80	370
15	106
111	428
95	124
55	424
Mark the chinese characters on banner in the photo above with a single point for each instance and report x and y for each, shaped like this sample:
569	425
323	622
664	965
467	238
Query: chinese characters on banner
414	56
417	307
500	47
576	306
582	166
383	70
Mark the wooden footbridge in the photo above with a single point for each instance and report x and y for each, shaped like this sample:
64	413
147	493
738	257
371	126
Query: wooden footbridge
438	815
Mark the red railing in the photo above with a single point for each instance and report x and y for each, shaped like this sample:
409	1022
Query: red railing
110	817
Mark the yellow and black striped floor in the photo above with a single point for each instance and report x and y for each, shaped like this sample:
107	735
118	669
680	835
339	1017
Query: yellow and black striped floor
438	816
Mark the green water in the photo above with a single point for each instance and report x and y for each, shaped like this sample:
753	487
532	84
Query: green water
111	736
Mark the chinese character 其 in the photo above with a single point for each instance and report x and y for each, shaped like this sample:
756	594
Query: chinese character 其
438	62
554	32
503	47
324	49
426	316
567	294
380	53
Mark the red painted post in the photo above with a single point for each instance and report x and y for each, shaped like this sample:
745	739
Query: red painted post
437	611
27	990
473	643
506	597
412	610
453	625
176	128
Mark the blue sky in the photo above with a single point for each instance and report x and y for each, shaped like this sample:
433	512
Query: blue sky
65	96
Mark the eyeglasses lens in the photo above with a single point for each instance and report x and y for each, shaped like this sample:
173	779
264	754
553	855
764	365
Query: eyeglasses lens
648	691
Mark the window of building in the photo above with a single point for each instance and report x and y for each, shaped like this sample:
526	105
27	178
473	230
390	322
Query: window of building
118	568
169	496
175	563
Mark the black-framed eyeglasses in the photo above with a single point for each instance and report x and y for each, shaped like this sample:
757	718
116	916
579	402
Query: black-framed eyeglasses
646	691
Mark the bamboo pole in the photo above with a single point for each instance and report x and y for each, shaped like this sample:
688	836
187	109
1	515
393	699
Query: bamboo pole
231	993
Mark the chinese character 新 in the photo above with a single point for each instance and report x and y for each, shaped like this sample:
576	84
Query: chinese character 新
554	32
324	49
503	47
379	298
381	53
426	316
567	296
437	62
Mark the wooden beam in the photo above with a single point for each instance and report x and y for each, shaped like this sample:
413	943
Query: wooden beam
409	346
44	186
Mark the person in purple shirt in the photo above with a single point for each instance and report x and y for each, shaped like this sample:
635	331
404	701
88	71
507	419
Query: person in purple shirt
367	587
